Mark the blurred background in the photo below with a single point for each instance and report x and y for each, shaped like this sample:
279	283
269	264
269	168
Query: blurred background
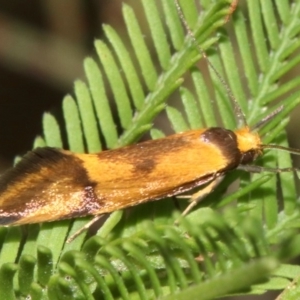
42	47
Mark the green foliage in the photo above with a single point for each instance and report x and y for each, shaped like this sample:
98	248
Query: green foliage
208	253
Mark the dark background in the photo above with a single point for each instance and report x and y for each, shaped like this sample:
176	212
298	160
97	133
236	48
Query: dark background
42	47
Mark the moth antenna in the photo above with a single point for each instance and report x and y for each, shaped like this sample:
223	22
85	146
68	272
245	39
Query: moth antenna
271	146
287	149
237	109
267	118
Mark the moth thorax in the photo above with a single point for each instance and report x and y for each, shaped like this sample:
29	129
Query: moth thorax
249	144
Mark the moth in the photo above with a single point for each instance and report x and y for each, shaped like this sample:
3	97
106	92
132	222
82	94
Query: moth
51	184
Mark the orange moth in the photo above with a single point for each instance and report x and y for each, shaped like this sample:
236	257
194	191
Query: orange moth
50	184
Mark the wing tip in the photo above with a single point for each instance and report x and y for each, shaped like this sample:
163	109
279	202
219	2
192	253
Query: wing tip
30	163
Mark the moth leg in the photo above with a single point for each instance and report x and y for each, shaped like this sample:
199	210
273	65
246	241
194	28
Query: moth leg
197	197
260	169
189	196
85	227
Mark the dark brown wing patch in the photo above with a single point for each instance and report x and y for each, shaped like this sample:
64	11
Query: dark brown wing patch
47	183
30	163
